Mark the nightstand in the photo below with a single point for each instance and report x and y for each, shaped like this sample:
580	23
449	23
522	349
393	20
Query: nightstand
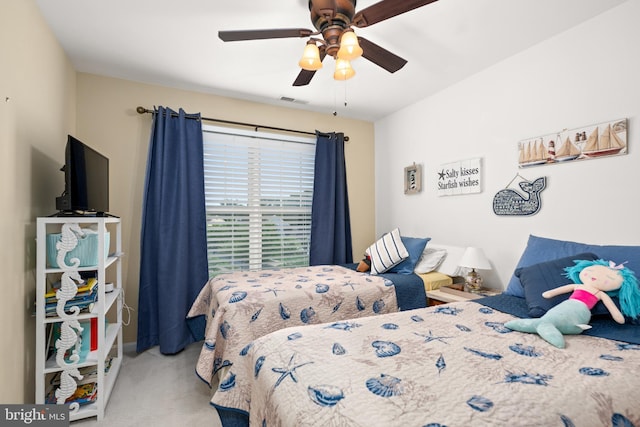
448	294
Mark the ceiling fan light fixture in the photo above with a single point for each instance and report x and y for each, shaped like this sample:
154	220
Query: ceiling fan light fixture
310	57
349	47
343	70
333	20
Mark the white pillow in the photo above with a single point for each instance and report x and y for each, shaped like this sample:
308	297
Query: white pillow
449	265
387	252
430	260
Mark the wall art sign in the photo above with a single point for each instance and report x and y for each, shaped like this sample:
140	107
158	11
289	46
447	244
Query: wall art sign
462	177
412	179
588	142
528	202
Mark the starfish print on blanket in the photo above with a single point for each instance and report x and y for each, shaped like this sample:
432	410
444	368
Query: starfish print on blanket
274	290
289	371
430	337
351	284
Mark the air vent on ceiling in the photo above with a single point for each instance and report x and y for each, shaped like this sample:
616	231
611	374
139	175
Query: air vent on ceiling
297	101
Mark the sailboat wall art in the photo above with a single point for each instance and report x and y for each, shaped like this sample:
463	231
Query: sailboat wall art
588	142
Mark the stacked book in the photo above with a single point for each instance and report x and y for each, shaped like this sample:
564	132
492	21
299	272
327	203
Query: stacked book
84	395
85	298
87	390
458	290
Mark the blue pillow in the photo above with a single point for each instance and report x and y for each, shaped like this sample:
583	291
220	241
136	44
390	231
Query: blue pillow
540	249
541	277
415	247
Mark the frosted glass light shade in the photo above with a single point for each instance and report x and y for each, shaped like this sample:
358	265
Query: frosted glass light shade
310	58
349	47
343	70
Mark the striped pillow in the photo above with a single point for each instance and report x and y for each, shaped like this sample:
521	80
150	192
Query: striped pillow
387	252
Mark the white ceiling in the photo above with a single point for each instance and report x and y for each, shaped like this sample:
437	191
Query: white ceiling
175	43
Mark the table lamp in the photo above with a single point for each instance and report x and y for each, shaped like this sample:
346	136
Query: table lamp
474	258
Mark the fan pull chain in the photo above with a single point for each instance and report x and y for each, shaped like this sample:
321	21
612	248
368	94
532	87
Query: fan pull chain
345	94
335	98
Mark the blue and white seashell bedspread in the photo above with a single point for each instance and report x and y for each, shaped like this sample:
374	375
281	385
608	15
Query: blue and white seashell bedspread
243	306
450	365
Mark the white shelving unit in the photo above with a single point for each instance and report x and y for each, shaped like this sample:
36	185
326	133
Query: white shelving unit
62	359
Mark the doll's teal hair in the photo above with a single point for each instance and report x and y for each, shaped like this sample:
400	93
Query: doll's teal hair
629	292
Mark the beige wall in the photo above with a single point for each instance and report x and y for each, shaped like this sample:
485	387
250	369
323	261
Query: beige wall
37	110
42	99
107	121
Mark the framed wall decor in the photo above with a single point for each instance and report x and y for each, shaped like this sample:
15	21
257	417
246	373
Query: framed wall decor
588	142
412	179
461	177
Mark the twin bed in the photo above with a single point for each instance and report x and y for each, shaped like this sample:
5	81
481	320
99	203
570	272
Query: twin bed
446	365
240	307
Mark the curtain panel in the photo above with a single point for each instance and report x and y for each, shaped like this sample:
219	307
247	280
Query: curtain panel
330	222
173	253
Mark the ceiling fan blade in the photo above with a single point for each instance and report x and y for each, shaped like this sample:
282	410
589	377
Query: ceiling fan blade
280	33
385	9
381	56
305	76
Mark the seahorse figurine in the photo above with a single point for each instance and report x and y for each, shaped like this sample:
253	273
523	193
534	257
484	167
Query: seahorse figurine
69	333
68	290
67	387
68	241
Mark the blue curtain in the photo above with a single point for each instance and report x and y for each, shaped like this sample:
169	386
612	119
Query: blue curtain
173	252
330	223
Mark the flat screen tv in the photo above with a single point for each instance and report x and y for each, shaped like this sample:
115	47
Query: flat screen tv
86	179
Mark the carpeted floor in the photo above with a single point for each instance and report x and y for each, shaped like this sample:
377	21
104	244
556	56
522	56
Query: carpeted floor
157	390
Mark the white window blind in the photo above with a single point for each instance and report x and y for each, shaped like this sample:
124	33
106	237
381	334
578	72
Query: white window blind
258	192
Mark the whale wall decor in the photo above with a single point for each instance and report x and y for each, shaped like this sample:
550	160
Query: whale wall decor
511	202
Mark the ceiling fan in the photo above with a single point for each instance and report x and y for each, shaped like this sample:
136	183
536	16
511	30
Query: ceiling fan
333	20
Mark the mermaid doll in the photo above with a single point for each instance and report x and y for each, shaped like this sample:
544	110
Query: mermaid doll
593	281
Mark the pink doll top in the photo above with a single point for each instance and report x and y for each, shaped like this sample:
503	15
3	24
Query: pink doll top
586	297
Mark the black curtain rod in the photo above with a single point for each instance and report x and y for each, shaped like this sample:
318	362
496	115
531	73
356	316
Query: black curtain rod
142	110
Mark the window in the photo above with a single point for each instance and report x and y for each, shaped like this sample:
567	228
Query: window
258	193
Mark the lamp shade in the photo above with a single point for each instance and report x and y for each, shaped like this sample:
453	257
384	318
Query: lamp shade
475	258
343	70
310	58
349	47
